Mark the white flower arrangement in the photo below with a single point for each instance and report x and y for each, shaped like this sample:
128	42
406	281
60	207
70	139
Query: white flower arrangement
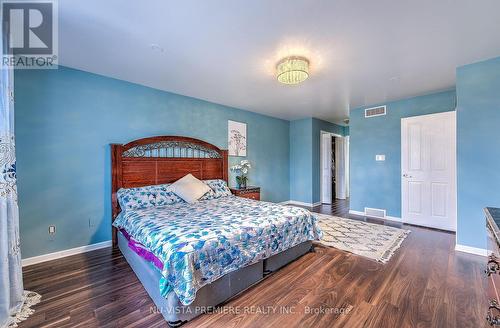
243	168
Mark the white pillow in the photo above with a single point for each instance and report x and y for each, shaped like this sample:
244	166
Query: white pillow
189	188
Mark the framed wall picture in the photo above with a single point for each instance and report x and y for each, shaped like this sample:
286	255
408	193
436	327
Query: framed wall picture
237	138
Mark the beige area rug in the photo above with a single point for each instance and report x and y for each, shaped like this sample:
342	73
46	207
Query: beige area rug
375	241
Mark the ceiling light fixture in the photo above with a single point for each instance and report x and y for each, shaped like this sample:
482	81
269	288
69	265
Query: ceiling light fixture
292	70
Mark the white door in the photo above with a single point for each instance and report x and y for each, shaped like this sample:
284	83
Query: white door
428	164
347	163
326	168
340	168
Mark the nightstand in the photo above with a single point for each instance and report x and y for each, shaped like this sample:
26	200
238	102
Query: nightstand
248	192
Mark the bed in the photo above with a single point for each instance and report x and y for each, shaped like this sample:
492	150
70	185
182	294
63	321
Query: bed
193	257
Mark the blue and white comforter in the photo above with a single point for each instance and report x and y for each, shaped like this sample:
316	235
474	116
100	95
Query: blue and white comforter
199	243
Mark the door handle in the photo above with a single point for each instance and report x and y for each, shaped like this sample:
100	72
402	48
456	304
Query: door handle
407	176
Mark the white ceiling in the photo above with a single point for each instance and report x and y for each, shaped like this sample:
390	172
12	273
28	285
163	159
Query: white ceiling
225	51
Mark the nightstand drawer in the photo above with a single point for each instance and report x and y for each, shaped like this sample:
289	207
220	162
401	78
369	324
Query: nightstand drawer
251	195
249	192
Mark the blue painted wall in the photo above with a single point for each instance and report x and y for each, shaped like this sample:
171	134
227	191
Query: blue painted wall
378	184
65	120
305	157
478	152
301	160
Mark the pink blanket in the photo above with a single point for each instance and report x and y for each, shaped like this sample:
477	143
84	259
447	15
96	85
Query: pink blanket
141	250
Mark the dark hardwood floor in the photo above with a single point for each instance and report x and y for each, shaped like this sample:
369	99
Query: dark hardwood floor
425	284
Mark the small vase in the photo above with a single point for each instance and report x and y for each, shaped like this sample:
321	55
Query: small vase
241	183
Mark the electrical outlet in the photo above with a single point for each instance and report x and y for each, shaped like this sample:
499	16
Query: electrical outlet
52	230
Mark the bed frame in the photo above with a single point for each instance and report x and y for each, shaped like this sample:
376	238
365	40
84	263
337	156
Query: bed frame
162	159
165	159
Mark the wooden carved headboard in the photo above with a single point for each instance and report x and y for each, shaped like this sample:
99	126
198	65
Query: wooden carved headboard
163	159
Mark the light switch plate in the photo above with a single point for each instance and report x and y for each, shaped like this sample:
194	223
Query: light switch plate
380	158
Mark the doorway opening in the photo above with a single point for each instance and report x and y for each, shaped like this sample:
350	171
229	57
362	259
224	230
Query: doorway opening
334	167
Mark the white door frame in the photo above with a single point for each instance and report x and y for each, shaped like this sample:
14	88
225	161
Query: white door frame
321	133
347	168
452	115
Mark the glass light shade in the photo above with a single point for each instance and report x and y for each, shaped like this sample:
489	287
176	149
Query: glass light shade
292	70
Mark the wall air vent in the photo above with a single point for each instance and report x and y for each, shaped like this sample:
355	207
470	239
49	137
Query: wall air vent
375	212
375	111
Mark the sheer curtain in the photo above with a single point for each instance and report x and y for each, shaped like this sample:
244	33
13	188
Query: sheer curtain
14	302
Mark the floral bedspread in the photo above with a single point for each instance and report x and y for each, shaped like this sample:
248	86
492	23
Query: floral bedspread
199	243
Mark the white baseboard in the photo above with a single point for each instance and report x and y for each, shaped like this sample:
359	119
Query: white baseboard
387	217
357	213
471	250
64	253
294	202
